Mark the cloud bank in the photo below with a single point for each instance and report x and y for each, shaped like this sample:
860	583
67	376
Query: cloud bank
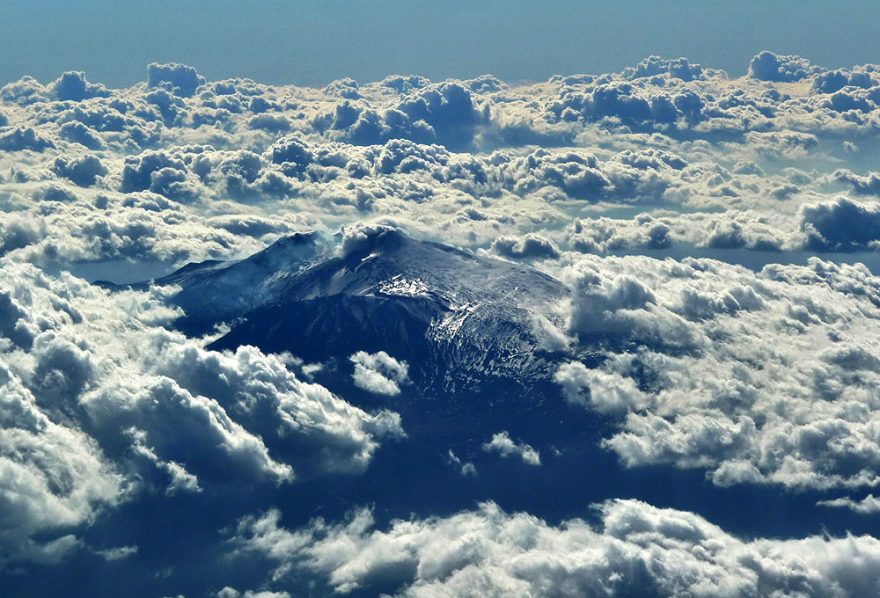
640	190
633	548
103	403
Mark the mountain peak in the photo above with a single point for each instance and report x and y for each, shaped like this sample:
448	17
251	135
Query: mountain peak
288	253
441	308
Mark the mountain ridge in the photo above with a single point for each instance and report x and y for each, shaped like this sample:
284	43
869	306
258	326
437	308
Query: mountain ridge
454	315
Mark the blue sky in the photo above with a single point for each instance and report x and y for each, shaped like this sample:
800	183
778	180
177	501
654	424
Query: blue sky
312	42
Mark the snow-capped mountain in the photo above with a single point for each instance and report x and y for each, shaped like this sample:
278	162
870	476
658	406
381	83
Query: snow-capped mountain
460	319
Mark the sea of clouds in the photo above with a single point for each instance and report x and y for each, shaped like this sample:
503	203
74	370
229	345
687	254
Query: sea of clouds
709	228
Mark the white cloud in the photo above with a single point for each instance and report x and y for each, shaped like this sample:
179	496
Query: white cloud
117	553
756	377
529	246
766	377
241	149
634	549
465	468
606	392
229	592
504	445
866	506
53	478
841	225
101	401
379	373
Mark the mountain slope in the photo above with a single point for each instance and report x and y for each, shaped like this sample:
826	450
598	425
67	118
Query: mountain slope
459	319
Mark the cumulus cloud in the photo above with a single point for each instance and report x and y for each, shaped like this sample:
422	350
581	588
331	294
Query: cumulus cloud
379	373
54	477
229	592
768	66
600	390
465	468
866	506
183	80
327	158
623	307
863	185
101	400
763	376
841	224
634	548
528	247
24	138
73	86
680	68
82	170
756	377
504	445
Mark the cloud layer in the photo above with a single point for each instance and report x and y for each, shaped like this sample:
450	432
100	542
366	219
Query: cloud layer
103	403
756	377
181	168
633	549
639	190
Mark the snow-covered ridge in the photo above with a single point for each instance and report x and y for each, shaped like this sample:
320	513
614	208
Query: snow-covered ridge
445	309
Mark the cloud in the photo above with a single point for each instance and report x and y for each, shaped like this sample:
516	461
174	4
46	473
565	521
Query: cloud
465	468
600	390
623	307
863	185
835	80
866	506
17	232
102	402
344	88
54	477
208	154
700	360
767	66
118	552
502	444
77	132
840	225
160	172
762	376
361	237
531	246
181	79
73	86
379	373
679	68
229	592
448	109
634	548
82	170
24	138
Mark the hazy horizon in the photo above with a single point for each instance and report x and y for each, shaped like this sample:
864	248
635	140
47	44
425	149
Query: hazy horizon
313	43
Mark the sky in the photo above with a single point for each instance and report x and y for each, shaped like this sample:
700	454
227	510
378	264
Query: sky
309	42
